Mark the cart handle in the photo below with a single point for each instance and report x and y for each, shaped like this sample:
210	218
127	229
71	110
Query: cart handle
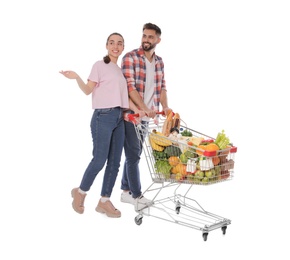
132	117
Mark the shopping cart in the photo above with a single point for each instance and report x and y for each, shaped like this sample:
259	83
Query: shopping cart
176	162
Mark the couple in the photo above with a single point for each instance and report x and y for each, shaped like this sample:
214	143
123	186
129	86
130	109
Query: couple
137	87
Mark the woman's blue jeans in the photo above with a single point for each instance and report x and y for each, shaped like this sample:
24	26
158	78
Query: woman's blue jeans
133	150
108	133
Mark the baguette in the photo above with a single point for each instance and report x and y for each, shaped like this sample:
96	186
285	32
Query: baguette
167	124
176	122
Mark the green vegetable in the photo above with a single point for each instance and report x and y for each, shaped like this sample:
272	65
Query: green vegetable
191	153
222	140
159	155
186	133
163	166
172	151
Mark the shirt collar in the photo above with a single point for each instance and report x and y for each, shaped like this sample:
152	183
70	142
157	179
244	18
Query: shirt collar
142	53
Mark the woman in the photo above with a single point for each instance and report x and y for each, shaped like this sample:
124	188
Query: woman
109	99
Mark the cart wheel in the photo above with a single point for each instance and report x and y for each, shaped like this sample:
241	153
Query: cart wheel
138	220
177	207
224	228
204	235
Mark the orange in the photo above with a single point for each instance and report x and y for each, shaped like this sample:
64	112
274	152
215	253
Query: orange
173	160
181	168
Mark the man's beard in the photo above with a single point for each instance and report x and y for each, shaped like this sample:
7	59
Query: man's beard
149	47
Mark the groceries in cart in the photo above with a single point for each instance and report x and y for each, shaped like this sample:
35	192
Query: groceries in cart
177	156
185	155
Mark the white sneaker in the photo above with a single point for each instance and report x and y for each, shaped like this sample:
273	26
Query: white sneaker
126	197
139	203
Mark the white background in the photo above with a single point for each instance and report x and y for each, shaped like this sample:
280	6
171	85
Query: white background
227	67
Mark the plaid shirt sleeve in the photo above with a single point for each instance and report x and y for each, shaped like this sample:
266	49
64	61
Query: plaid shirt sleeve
129	71
160	79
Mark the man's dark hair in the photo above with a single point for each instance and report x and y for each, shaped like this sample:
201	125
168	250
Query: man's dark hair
151	26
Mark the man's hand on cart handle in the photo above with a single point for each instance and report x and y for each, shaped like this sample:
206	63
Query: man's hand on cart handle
132	117
167	111
149	113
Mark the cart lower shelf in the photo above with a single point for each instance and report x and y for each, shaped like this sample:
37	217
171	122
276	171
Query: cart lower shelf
185	211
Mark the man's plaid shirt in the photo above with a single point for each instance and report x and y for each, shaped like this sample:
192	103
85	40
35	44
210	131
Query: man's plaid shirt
134	69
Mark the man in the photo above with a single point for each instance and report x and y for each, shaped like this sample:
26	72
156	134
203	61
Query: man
144	72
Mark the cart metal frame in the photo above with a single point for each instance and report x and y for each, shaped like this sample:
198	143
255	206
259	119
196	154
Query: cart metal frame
177	208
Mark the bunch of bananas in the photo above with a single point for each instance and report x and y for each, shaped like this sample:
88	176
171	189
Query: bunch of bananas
158	141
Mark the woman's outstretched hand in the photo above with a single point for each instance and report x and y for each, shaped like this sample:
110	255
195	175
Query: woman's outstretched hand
69	74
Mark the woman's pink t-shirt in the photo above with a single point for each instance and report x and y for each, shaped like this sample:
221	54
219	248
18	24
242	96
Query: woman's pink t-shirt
111	88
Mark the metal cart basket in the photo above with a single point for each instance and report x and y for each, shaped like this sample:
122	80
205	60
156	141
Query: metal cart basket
176	162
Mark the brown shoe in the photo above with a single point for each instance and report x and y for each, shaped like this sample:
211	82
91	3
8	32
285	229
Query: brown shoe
108	208
78	202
